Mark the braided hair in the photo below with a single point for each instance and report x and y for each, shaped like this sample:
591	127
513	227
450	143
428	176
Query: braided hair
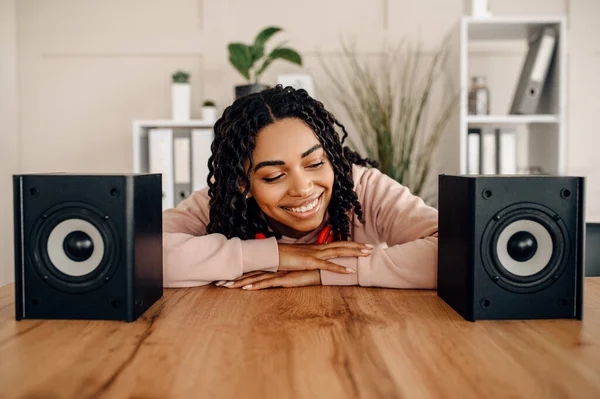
231	212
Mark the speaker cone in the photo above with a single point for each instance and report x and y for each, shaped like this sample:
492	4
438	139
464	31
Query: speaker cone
74	247
524	248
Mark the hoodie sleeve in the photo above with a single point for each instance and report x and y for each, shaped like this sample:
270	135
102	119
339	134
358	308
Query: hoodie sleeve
191	257
407	226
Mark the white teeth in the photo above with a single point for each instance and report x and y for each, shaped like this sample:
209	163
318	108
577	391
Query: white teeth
305	208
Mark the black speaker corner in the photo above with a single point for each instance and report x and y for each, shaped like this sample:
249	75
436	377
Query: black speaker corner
511	247
87	246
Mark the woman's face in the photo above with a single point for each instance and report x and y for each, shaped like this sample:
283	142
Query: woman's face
292	179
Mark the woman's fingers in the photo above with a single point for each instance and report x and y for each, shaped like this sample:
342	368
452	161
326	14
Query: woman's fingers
253	279
293	279
342	252
269	283
330	266
254	273
342	249
228	283
344	244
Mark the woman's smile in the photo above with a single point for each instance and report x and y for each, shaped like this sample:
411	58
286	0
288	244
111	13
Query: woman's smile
305	211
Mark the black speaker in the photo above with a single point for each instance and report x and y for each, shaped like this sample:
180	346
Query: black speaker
87	246
511	247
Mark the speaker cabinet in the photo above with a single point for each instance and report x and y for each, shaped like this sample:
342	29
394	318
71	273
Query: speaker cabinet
87	246
511	247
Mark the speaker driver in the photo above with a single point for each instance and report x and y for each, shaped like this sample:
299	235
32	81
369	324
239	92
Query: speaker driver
74	247
525	248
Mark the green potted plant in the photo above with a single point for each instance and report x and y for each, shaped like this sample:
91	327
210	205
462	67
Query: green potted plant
209	111
252	61
180	96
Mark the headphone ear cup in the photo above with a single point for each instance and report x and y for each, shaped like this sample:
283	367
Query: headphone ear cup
324	235
327	236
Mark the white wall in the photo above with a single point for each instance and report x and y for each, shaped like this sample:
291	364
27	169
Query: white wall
9	148
86	69
583	100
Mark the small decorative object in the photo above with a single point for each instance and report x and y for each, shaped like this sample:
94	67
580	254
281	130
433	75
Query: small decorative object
480	8
180	96
297	81
209	111
479	97
251	61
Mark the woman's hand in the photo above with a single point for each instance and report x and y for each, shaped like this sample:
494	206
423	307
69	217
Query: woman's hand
295	257
259	280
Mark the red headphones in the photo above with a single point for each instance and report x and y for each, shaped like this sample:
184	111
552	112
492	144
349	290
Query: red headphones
326	236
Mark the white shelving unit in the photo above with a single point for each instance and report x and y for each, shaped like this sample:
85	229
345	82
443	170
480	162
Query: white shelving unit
510	119
140	137
546	130
195	163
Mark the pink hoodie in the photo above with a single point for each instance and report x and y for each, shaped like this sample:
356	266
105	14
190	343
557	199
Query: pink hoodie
400	226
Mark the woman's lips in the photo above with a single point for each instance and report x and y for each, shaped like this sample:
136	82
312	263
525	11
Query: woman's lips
302	203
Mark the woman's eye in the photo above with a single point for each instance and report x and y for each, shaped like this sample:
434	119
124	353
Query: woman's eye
315	165
271	179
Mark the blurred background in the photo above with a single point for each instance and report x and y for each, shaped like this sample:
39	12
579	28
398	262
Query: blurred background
76	74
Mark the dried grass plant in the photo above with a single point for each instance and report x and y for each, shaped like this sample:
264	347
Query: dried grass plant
389	104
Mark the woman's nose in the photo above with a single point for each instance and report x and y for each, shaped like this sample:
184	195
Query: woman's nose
301	186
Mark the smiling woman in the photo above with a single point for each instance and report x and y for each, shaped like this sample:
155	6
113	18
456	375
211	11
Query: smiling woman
284	208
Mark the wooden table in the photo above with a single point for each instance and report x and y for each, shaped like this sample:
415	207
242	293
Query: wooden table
329	342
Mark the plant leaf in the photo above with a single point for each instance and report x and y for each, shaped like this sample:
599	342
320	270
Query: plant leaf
287	54
240	57
280	53
258	50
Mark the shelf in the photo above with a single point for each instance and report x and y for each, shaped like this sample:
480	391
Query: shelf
506	28
511	119
173	124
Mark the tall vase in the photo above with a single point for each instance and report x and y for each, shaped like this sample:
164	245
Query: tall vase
180	101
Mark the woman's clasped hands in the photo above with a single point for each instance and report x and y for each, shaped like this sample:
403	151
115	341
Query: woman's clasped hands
300	265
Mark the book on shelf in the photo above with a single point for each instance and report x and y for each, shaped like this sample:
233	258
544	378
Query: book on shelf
181	156
183	167
491	151
535	70
160	160
474	151
507	151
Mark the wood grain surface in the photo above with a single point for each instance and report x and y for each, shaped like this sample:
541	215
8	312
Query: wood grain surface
328	342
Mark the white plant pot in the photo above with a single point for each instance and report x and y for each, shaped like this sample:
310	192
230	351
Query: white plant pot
180	101
209	114
480	8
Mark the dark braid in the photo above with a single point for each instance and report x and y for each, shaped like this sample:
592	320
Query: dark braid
231	213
